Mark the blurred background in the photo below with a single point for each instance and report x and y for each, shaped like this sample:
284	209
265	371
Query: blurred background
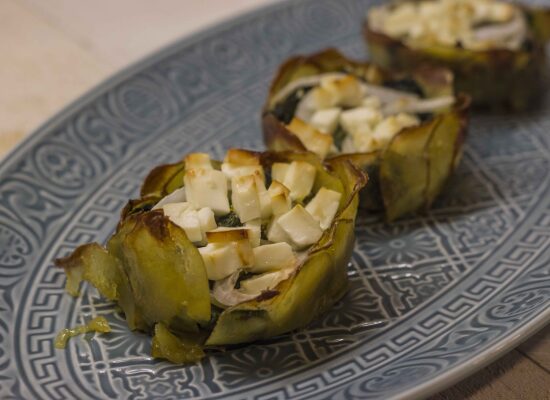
54	50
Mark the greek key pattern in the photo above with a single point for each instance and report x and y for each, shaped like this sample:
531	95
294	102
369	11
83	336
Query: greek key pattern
427	293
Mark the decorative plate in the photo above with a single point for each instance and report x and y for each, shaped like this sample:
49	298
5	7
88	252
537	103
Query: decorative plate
431	299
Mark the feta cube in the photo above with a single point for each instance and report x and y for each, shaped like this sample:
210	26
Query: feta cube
326	120
399	21
345	91
265	205
271	257
207	188
223	259
312	139
280	198
174	210
238	162
302	229
275	232
348	146
235	170
387	129
245	196
183	215
323	206
406	120
197	160
278	171
207	220
254	232
366	143
320	98
190	223
372	102
359	118
501	12
392	125
299	179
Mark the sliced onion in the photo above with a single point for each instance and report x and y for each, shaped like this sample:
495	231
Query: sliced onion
418	105
387	95
225	293
177	196
514	29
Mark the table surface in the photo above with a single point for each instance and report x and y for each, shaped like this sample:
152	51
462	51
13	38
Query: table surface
48	38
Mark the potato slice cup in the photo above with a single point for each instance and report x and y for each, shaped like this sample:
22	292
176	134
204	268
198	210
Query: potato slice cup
497	78
433	148
157	276
320	280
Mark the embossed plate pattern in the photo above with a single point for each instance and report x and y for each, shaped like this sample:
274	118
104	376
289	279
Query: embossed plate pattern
431	298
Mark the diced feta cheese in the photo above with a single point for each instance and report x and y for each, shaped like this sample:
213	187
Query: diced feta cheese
371	102
190	223
280	198
299	179
258	284
197	160
278	171
427	8
234	170
174	210
323	206
254	232
345	90
238	162
387	128
275	232
501	12
320	98
241	157
245	196
236	244
392	125
398	22
207	188
265	205
407	120
366	143
183	215
358	118
221	260
207	220
177	196
300	226
312	139
348	145
326	120
271	257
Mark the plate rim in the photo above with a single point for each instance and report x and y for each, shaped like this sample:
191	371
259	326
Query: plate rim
463	370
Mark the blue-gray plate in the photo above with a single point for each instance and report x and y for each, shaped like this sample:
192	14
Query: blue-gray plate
432	298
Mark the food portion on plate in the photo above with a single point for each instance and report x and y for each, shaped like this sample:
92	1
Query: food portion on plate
219	253
405	130
494	48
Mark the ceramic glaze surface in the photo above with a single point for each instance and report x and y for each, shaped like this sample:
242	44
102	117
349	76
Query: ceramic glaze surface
430	297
